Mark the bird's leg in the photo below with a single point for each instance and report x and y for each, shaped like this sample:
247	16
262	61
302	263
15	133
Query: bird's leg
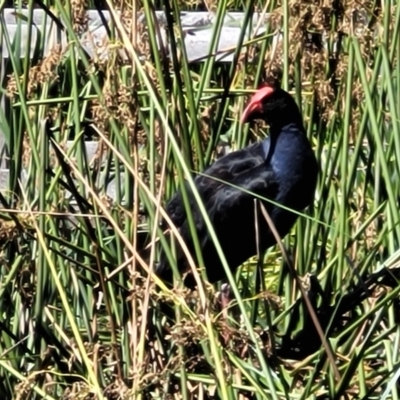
225	298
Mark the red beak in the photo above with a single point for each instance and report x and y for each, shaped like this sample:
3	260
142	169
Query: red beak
256	103
251	107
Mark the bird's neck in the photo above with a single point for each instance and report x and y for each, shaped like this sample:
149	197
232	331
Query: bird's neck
280	132
281	128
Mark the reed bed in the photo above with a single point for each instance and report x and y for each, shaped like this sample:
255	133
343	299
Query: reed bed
80	313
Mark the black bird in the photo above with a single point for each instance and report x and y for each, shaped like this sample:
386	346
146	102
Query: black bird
282	168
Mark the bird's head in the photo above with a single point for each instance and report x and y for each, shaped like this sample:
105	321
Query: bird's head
273	105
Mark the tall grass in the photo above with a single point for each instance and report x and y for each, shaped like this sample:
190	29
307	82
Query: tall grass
80	307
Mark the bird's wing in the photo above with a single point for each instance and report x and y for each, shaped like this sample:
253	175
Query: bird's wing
223	201
231	168
231	165
260	180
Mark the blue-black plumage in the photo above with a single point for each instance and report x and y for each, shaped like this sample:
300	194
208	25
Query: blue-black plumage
282	168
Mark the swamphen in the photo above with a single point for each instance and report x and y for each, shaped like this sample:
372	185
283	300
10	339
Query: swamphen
282	168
